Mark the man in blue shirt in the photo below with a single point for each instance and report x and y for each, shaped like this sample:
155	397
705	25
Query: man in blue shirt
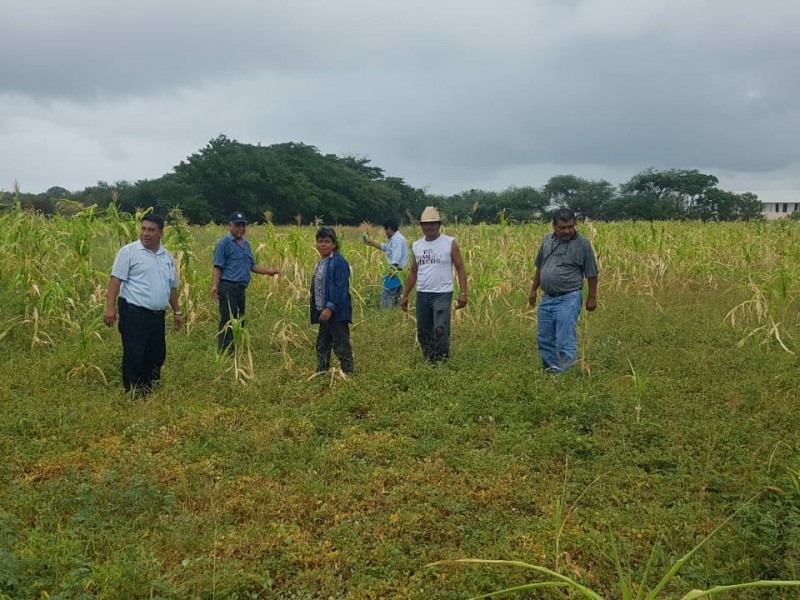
233	263
396	250
143	282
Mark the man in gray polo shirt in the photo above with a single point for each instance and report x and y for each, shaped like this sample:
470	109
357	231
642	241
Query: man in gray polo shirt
564	259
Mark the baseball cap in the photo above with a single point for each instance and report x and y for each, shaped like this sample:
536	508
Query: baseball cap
238	217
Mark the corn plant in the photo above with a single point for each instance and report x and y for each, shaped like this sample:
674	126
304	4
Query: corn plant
767	308
238	359
86	325
289	336
639	381
123	225
629	589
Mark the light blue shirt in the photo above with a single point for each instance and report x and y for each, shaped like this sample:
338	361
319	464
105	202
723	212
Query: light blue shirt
147	277
396	250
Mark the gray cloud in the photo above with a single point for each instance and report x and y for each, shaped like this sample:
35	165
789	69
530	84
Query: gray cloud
448	94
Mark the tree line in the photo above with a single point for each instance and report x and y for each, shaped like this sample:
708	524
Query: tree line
296	183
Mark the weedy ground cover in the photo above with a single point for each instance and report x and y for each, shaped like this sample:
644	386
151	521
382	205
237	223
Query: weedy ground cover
277	486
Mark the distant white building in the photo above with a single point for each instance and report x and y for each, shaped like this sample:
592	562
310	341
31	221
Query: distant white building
779	210
779	204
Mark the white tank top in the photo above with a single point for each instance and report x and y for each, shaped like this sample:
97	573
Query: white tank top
434	264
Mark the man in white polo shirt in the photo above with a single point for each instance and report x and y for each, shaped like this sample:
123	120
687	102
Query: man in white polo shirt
433	259
143	282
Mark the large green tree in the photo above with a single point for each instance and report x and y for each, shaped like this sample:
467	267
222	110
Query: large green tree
684	189
584	197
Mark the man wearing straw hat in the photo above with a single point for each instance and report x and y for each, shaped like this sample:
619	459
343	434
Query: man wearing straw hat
396	249
433	259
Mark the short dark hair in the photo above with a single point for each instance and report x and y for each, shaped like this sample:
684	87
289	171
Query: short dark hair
327	232
155	219
563	214
391	224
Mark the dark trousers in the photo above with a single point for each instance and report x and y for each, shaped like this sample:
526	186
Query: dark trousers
144	346
433	324
335	335
231	306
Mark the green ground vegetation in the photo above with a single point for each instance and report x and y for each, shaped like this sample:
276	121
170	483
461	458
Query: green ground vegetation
270	485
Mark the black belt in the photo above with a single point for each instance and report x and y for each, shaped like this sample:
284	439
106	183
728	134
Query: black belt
557	294
158	313
234	283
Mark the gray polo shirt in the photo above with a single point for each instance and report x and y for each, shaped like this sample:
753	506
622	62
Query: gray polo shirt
563	265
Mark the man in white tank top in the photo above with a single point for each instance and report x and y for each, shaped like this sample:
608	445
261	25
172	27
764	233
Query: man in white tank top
433	259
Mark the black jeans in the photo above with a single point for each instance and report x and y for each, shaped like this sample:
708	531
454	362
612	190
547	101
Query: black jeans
231	306
433	324
336	335
144	346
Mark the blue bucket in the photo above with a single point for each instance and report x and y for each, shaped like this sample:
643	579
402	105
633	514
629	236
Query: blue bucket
391	282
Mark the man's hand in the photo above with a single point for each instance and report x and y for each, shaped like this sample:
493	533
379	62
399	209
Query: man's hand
325	315
214	293
461	302
109	316
273	272
404	304
532	299
178	322
591	304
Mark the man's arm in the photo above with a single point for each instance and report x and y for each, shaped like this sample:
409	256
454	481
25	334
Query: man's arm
216	273
373	243
411	281
591	300
461	274
265	271
110	314
176	308
534	288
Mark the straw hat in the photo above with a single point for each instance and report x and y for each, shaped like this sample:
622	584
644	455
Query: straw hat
430	215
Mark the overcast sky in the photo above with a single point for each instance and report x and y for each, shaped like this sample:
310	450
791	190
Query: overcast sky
447	94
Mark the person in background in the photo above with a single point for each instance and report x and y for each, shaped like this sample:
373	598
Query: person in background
396	249
143	283
434	257
233	263
564	259
331	304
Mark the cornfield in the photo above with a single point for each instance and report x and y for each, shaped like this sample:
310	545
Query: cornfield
56	271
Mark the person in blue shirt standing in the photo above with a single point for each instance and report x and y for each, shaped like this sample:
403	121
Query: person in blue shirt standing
233	263
143	283
331	304
396	249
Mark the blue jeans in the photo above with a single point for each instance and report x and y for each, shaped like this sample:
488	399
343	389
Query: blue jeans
433	324
390	297
557	334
